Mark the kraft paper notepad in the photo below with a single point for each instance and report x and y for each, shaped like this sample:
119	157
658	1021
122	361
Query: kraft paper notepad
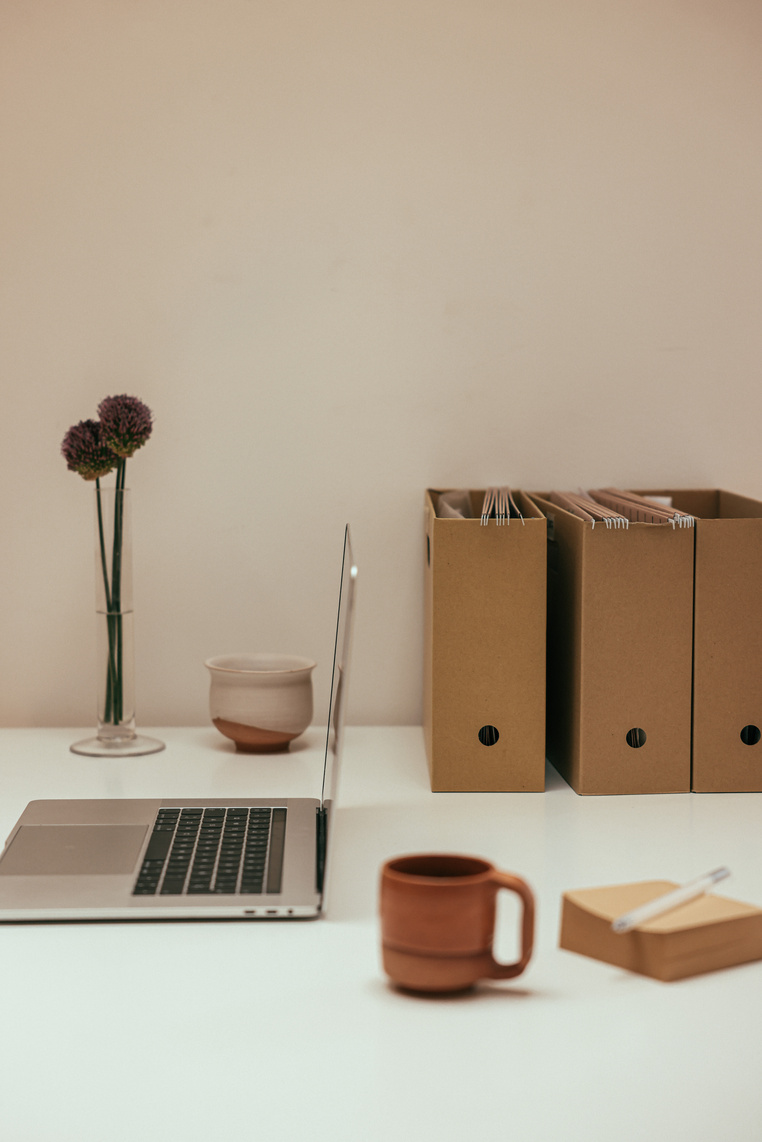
706	934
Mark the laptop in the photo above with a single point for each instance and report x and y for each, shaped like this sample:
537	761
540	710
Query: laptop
183	858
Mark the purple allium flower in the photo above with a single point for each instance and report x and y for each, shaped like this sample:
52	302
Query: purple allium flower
125	423
85	451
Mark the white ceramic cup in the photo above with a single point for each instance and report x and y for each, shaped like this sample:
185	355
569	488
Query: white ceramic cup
260	701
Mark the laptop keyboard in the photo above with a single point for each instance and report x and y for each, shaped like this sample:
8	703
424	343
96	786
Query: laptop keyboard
214	851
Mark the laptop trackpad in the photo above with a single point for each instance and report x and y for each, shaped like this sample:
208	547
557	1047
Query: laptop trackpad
73	850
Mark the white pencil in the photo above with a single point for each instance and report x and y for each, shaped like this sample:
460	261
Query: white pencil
669	901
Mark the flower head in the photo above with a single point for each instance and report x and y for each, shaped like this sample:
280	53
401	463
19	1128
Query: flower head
125	424
85	451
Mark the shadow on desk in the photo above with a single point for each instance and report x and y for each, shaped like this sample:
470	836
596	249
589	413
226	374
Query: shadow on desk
481	992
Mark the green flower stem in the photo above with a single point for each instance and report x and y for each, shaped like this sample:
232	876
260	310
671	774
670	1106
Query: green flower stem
112	677
116	591
104	567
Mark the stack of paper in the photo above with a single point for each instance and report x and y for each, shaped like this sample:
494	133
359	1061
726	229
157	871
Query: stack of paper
706	934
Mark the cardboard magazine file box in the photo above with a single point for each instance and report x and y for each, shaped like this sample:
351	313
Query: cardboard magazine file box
620	634
727	668
484	650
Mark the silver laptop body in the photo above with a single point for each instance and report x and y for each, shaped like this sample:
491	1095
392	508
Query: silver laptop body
183	858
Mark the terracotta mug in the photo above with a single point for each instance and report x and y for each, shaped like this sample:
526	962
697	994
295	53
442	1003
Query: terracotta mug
438	920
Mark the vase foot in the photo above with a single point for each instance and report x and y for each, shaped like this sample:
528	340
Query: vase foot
136	746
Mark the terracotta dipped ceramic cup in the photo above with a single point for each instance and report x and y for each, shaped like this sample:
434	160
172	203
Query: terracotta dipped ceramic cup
260	701
438	920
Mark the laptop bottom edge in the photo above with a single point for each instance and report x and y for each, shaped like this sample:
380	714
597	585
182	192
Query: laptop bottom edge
155	915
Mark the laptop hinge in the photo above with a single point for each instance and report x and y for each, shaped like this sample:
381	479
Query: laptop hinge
321	829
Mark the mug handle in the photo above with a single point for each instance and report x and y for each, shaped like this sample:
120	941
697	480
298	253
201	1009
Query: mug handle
522	889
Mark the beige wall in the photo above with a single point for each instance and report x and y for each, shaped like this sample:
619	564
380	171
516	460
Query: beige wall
346	249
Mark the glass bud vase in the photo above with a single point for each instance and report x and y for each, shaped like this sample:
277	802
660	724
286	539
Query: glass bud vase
115	666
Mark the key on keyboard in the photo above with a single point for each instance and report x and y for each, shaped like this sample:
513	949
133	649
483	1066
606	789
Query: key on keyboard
217	851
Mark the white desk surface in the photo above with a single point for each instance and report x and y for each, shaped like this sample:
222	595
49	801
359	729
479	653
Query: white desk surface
288	1030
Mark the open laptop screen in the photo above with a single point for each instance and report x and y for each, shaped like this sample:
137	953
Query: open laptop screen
336	709
340	675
